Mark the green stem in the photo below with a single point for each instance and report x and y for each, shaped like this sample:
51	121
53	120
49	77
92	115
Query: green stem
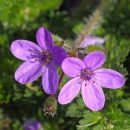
90	124
61	77
93	21
29	86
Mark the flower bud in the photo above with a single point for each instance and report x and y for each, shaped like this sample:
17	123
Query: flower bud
50	106
32	125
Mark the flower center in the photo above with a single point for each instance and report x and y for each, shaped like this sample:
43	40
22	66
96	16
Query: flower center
86	74
46	56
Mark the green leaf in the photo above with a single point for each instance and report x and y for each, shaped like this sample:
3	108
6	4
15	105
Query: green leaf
76	109
125	103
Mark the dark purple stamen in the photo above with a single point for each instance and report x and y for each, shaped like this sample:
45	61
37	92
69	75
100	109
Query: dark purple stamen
46	56
86	74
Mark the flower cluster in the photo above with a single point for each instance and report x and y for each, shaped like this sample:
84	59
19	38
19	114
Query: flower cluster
88	74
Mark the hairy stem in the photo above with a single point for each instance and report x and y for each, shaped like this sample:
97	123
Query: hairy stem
93	21
61	77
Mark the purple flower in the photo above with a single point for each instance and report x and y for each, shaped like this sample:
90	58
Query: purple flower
32	125
39	60
89	78
91	40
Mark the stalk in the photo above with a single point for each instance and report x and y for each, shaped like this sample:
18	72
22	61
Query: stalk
93	22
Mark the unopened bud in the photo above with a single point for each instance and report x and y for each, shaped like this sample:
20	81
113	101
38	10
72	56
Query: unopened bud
58	41
50	106
32	125
5	123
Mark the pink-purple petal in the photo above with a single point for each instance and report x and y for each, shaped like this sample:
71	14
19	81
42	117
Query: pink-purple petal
50	79
69	91
72	66
32	125
94	60
25	50
59	54
28	72
44	38
93	96
109	78
92	40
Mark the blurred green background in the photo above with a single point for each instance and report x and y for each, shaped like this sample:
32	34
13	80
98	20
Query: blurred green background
19	19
